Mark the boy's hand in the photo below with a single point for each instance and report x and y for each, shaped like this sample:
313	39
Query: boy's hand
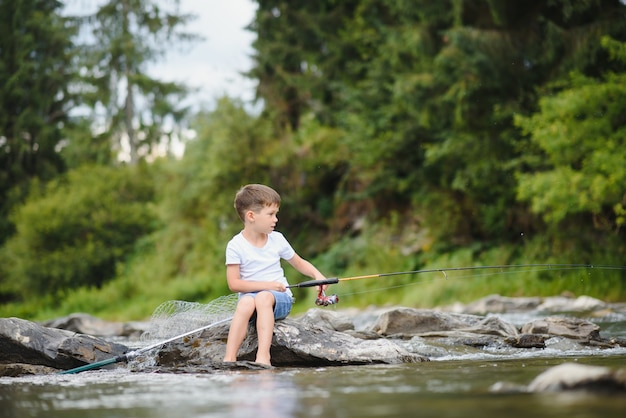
278	286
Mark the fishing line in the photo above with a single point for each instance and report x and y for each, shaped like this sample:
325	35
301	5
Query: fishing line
502	267
446	277
514	269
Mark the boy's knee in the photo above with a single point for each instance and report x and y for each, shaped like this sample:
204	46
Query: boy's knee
246	304
265	299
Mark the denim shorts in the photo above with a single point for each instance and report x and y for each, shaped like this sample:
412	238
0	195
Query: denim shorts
282	304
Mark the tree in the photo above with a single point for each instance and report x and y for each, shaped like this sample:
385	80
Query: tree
579	134
36	71
426	93
299	57
136	111
77	230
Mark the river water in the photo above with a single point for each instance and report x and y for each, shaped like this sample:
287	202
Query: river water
452	385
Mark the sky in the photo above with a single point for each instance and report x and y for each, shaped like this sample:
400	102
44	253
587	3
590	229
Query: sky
212	65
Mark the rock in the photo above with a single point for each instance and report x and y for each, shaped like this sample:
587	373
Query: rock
26	342
208	368
298	344
565	303
527	341
500	304
87	324
461	338
327	319
572	328
492	325
295	343
570	304
572	376
20	369
410	322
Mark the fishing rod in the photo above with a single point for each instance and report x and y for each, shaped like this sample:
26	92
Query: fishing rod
324	300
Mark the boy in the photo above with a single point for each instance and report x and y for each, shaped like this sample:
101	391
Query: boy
253	269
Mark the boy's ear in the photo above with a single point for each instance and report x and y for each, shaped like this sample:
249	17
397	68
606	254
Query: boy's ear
250	216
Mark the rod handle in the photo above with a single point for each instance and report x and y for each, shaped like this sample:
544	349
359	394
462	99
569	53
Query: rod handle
311	283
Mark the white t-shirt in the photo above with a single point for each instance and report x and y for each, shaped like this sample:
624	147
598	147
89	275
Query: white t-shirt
260	264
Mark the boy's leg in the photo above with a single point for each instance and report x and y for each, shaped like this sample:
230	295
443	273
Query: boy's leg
264	325
239	327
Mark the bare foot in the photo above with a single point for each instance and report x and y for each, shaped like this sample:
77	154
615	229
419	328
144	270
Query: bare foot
263	360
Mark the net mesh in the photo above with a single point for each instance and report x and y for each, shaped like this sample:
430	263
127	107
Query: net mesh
176	317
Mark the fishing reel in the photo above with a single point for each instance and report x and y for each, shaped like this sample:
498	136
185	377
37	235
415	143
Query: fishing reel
323	300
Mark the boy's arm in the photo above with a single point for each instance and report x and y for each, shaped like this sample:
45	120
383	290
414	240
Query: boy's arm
235	284
305	267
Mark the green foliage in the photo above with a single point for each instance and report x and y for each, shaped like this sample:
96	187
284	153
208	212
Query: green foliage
36	56
75	232
582	132
425	93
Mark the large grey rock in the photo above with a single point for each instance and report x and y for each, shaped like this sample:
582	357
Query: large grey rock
295	343
26	342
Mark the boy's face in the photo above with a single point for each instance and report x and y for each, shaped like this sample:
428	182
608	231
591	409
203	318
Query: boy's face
265	220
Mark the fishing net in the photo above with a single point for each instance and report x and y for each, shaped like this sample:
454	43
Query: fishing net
176	317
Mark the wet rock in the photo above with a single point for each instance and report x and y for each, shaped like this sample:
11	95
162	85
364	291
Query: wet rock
572	328
572	376
20	369
208	367
456	341
527	341
26	342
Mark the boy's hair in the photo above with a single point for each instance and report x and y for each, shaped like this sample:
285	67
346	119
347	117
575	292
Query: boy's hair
255	197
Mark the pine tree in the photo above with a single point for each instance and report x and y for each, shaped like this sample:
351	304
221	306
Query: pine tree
36	54
130	106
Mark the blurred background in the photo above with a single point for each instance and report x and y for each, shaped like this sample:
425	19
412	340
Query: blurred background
401	135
